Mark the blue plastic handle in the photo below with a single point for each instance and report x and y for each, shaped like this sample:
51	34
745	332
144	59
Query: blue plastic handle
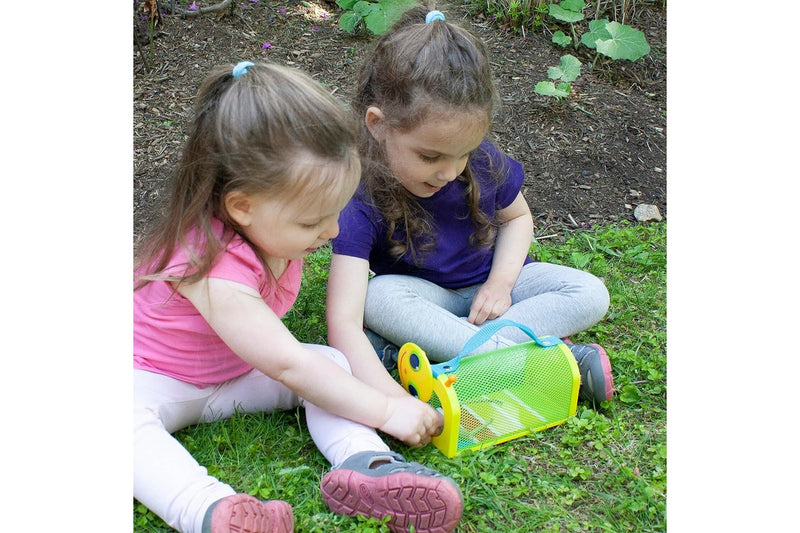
483	335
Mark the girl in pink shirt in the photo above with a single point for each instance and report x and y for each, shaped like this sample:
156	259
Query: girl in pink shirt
269	163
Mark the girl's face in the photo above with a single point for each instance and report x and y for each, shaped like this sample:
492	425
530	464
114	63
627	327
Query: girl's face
431	155
293	225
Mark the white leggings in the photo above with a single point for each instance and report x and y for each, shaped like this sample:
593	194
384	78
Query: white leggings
550	299
170	482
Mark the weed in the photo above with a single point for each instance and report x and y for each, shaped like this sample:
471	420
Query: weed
607	38
611	39
519	14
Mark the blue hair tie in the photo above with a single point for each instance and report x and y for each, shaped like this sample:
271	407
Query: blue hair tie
434	15
241	68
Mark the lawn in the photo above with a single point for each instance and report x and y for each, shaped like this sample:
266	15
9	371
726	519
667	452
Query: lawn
602	470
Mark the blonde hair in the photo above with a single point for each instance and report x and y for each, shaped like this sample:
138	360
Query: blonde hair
416	70
247	135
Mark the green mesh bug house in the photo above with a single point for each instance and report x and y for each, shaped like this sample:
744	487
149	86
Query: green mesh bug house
495	396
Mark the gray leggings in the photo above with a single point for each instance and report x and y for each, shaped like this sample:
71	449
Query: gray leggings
549	299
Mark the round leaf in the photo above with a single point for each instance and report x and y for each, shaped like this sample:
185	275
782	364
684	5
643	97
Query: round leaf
573	5
561	39
597	30
625	43
568	69
362	8
385	14
564	15
348	21
548	88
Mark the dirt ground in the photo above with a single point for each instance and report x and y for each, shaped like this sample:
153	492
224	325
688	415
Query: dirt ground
589	159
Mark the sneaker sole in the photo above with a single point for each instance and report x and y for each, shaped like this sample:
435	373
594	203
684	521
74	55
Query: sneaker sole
605	363
242	513
429	504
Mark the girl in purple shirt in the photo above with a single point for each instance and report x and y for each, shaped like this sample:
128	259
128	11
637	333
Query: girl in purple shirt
269	163
440	221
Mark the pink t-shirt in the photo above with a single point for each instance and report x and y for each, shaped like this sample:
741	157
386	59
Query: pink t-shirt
170	336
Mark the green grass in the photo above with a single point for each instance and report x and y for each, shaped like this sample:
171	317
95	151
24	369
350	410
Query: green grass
603	470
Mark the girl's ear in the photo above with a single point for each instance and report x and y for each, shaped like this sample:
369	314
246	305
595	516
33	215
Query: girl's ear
239	208
374	121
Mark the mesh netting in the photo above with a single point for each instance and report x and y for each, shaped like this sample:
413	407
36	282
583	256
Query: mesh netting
512	391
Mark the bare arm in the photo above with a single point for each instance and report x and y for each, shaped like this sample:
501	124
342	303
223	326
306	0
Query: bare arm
511	248
347	291
250	328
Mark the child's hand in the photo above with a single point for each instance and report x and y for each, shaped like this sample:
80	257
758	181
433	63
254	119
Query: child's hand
412	421
489	302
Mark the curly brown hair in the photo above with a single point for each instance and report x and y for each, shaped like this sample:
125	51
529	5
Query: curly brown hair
414	70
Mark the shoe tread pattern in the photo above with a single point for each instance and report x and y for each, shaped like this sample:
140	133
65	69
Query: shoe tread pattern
431	505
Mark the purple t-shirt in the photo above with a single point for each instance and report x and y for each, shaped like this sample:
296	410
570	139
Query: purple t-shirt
452	263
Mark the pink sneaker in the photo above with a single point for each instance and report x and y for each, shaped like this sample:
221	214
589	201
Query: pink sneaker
597	383
378	484
242	513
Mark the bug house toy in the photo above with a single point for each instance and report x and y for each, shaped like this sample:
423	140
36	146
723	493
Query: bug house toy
495	396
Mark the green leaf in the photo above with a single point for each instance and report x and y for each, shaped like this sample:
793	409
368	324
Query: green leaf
625	43
565	15
630	394
597	30
346	4
348	21
599	26
548	88
573	5
561	39
362	8
488	477
580	260
567	70
662	451
387	12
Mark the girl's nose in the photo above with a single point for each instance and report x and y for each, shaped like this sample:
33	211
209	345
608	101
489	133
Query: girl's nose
450	172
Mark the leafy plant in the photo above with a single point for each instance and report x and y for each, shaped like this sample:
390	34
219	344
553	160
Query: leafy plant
569	11
616	40
567	71
611	39
519	14
376	17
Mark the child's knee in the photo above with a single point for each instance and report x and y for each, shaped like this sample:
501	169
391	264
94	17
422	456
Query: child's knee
596	299
602	298
335	355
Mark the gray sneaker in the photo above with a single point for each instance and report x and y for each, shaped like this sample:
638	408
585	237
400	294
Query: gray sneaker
596	381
